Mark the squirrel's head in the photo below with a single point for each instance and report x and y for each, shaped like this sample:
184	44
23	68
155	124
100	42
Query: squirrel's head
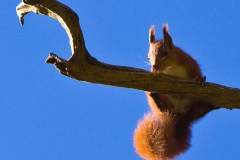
161	52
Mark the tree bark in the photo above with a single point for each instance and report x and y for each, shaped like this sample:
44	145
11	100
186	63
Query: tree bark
83	67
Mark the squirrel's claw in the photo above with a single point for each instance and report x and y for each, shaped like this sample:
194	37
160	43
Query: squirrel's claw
202	80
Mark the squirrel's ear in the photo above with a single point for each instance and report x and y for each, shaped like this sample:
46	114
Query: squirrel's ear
166	36
152	36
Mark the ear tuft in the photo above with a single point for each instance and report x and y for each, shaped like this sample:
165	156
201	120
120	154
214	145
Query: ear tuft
165	28
166	36
152	36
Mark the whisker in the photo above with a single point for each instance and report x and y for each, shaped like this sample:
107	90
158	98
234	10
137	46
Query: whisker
139	57
148	63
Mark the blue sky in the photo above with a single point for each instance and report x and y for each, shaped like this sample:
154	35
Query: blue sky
45	115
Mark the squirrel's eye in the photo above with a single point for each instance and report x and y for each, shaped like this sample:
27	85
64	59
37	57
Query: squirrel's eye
165	53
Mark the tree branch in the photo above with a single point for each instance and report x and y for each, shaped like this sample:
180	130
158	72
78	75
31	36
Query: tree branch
83	67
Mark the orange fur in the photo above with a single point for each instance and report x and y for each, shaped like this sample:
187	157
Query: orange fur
155	139
164	133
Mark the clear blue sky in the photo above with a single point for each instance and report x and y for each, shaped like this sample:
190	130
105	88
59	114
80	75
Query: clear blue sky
45	115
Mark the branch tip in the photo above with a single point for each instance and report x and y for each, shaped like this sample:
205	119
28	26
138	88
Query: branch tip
51	59
21	21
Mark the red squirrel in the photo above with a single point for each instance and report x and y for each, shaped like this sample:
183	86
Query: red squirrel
164	133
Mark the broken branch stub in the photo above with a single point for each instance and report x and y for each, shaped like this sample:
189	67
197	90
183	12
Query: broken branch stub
83	67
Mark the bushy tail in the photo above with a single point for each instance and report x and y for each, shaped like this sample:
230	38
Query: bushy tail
161	138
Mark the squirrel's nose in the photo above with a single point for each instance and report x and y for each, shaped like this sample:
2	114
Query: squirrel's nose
155	68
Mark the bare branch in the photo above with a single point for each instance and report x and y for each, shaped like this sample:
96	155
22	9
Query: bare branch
83	67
